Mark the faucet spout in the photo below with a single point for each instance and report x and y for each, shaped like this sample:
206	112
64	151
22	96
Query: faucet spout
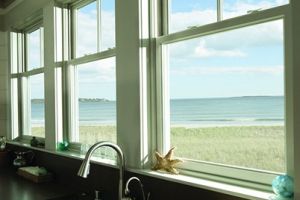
85	166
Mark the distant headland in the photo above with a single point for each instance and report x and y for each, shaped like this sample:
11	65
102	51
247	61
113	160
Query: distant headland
83	100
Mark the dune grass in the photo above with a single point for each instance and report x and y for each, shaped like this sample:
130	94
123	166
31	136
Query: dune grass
260	147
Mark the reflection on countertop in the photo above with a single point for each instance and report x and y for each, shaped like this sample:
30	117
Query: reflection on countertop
14	187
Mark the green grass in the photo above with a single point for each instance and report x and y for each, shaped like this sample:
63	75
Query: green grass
260	147
92	134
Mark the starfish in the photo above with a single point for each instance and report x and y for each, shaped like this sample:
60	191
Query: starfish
166	162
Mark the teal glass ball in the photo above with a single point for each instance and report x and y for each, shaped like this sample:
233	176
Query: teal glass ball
283	186
63	146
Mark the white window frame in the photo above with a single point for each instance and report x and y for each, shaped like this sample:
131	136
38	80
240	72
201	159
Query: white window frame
22	75
246	177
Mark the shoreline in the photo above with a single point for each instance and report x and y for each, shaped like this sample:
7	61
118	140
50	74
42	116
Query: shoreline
207	125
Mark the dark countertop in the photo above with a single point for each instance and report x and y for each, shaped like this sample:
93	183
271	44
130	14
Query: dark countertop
14	187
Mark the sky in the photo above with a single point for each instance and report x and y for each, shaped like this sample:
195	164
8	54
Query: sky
245	62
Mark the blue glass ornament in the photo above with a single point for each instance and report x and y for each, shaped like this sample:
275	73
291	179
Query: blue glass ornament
283	186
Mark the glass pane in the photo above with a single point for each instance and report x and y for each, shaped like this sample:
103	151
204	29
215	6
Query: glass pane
227	98
37	100
14	52
97	101
58	34
188	13
86	30
107	40
14	108
234	8
34	50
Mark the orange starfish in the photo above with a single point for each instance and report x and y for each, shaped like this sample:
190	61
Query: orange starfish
166	162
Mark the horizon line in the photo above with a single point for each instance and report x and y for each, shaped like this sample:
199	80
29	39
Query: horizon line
246	96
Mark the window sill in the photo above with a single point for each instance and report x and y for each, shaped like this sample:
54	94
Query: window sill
219	187
69	154
238	191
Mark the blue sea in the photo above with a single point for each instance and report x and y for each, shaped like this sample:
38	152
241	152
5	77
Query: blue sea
256	110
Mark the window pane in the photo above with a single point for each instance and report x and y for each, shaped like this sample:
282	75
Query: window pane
227	98
189	13
234	8
37	119
14	52
86	30
97	101
34	50
108	24
14	108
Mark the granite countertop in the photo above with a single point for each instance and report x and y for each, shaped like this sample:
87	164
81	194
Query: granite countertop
14	187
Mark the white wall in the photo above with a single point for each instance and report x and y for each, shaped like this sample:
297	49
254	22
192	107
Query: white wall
3	82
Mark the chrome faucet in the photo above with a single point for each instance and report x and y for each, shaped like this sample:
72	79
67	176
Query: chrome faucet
85	166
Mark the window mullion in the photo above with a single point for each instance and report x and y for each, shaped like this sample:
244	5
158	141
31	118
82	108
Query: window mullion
24	106
99	33
165	16
219	10
41	31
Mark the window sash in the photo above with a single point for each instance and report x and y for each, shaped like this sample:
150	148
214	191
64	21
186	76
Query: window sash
165	7
162	96
71	106
36	27
74	8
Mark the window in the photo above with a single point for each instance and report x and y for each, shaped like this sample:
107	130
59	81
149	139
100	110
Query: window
95	22
217	108
221	96
37	105
27	83
14	108
92	85
95	102
33	85
193	13
207	77
34	47
234	8
186	14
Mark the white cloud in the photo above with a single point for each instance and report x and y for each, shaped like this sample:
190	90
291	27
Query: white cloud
99	72
182	20
87	32
202	51
194	71
34	49
233	43
108	29
226	43
86	42
102	71
239	7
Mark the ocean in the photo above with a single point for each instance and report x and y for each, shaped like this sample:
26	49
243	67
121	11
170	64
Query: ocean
248	110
